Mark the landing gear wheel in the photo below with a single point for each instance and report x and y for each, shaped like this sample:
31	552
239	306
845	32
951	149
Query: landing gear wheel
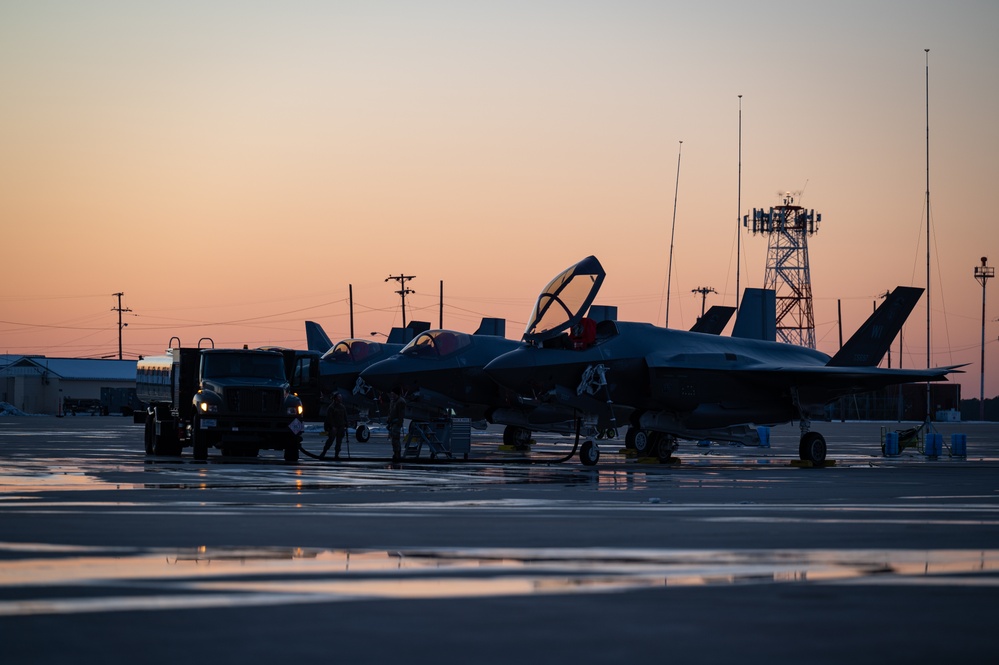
812	448
518	437
362	434
665	445
642	441
589	453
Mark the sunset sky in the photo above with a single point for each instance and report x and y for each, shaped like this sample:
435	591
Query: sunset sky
232	167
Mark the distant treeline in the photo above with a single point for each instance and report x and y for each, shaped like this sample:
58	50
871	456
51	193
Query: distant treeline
969	409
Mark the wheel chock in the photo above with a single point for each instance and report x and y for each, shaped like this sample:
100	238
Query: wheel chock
504	448
808	464
672	461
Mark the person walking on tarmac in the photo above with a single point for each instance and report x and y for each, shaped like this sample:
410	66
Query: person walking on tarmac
336	426
396	415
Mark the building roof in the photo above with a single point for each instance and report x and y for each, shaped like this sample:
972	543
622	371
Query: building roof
72	369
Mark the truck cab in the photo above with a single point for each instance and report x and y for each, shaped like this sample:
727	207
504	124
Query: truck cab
236	400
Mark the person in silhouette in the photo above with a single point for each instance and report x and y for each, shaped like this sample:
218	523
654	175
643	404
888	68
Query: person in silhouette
396	415
336	426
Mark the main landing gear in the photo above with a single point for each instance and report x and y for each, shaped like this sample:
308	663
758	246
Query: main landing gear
649	443
518	437
812	448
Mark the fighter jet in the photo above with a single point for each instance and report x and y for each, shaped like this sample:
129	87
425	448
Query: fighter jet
341	364
676	384
441	372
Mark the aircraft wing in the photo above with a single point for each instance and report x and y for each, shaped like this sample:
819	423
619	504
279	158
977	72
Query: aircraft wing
837	379
852	379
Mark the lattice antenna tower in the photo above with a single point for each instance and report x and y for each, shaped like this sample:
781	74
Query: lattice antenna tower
788	227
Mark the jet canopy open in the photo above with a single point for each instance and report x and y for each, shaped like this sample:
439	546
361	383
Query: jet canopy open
564	301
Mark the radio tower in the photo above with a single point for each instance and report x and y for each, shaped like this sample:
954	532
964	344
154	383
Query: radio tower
788	227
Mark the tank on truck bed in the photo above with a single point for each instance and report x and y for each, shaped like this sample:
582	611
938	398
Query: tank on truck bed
235	400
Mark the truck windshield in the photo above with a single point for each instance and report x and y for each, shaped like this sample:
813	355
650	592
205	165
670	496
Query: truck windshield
250	365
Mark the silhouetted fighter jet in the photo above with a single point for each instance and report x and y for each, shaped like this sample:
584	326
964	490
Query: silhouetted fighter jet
679	384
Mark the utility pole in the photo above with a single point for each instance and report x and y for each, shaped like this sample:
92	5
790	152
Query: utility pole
403	291
983	274
704	291
121	325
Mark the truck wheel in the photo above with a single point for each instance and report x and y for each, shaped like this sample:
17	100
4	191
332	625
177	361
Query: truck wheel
147	436
291	452
199	442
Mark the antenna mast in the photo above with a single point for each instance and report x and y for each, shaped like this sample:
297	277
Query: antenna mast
738	222
669	269
788	227
927	230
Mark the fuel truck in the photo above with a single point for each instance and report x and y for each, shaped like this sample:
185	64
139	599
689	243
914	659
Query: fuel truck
236	400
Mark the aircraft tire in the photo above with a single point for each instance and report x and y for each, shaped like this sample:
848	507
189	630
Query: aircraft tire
643	441
589	454
362	434
518	437
665	445
812	448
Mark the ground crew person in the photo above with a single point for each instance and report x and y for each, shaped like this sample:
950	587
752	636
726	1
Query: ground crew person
396	415
336	426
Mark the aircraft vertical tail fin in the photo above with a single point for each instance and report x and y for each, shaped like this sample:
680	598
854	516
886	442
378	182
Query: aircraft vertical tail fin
870	343
757	317
714	320
316	338
491	326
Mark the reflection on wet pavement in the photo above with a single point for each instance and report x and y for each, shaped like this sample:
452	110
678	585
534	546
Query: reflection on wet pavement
97	580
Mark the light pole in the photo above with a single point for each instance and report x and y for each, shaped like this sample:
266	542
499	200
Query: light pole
983	274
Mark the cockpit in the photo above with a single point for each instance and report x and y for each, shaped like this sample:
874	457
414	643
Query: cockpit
437	344
562	304
352	350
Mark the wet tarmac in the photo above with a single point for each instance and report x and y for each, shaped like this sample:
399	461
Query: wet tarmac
733	553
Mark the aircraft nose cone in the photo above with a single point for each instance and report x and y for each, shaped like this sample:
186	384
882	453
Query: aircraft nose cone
382	375
512	370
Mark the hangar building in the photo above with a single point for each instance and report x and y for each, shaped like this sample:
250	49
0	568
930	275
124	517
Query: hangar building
40	385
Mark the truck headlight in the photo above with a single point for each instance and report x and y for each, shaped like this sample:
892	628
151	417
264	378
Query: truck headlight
296	410
206	402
